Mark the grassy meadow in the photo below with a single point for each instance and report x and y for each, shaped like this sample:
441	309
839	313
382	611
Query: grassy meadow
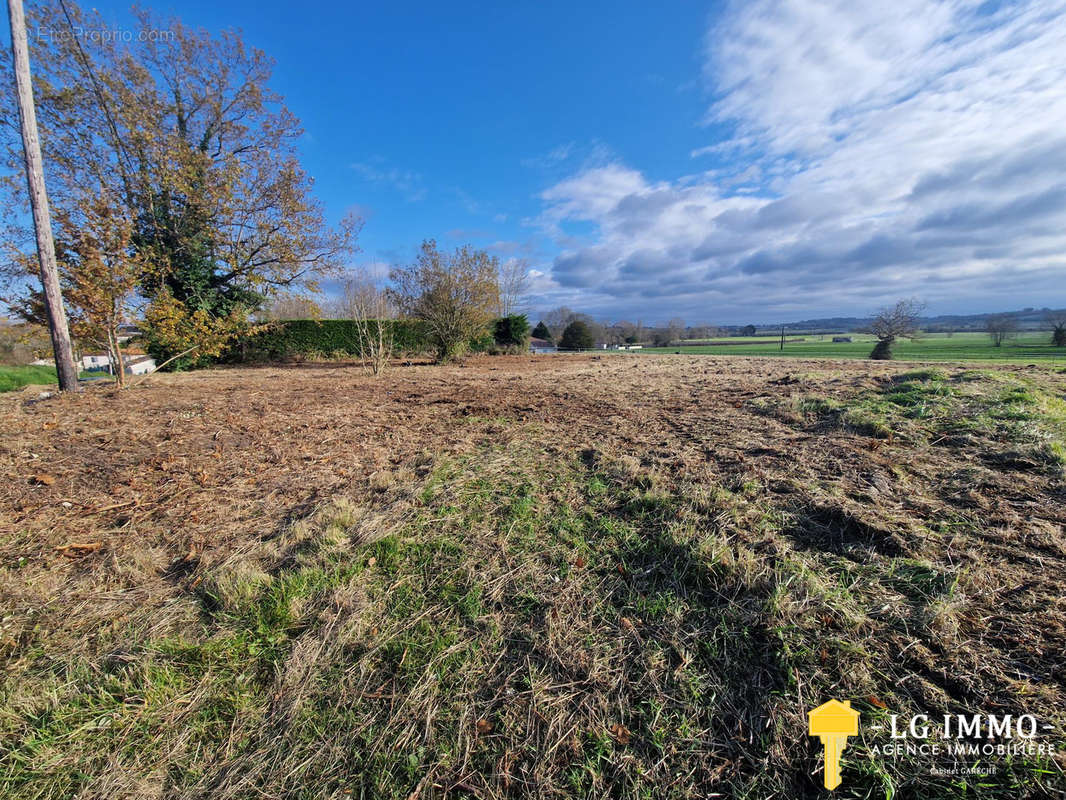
1024	348
12	378
558	577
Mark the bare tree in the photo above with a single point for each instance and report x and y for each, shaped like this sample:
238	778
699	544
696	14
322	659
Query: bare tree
625	332
370	307
557	319
675	329
895	322
1001	327
1057	321
514	285
704	332
292	306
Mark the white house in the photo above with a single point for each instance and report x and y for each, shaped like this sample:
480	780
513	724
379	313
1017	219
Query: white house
95	361
140	365
101	362
541	346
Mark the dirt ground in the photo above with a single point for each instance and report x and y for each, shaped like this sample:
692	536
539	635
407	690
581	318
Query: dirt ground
113	501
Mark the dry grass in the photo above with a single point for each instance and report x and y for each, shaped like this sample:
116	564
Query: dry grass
551	577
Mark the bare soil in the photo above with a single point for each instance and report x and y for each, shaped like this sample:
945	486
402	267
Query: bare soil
121	505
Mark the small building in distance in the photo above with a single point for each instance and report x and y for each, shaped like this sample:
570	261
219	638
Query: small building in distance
140	365
95	361
136	363
541	346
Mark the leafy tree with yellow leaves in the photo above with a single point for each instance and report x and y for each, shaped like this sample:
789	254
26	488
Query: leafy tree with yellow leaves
182	129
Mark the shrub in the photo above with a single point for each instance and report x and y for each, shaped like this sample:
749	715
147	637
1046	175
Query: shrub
301	337
577	336
454	294
542	332
511	331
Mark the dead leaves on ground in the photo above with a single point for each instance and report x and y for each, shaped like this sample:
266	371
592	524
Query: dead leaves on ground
621	734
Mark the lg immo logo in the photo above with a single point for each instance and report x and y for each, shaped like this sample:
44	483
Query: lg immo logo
951	739
833	722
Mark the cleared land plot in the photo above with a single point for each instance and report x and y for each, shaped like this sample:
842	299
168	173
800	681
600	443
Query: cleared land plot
1023	349
545	577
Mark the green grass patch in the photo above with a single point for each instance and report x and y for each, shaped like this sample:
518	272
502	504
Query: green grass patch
12	378
1026	348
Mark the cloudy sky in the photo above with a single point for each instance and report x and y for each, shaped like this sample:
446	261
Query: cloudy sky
866	151
724	162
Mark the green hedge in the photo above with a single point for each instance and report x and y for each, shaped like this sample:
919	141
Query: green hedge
307	337
303	338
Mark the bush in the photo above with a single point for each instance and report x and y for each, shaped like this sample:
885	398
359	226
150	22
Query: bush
297	338
577	336
511	332
307	339
542	332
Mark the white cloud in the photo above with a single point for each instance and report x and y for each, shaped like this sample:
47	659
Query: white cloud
878	150
408	182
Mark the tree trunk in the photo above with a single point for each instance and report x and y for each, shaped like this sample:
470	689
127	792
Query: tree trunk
882	350
42	222
116	358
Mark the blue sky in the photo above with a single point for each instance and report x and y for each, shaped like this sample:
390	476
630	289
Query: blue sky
721	162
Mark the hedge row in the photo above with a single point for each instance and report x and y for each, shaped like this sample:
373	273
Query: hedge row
308	337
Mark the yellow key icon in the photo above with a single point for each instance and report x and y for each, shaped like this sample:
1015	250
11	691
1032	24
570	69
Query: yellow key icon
833	722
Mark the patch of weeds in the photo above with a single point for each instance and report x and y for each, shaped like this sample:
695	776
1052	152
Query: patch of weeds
868	422
962	408
818	406
923	394
918	579
1054	452
234	587
922	375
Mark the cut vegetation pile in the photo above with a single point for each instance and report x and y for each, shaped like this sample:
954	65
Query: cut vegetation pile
555	577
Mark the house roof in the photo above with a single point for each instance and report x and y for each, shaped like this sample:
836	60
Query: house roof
535	342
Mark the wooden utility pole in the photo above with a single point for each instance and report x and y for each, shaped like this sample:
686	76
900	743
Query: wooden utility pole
42	221
782	337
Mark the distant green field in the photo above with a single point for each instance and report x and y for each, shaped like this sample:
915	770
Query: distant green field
1025	348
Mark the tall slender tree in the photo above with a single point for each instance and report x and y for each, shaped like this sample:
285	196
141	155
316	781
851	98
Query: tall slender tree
183	129
38	200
